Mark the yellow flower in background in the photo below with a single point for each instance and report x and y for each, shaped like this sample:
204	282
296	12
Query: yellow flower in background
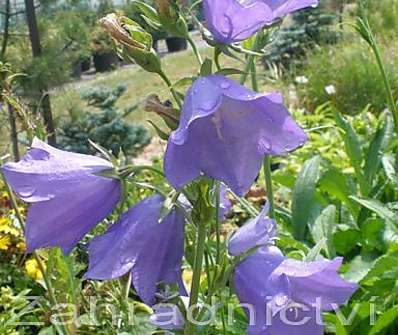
32	269
21	246
5	242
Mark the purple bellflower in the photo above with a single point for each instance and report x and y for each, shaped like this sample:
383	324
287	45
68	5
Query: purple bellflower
225	203
68	196
232	21
287	296
167	317
224	132
139	243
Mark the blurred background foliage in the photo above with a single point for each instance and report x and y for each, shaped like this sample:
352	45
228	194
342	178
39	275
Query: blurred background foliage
341	188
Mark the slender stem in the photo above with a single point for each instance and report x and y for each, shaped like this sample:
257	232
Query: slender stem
268	185
218	228
197	271
170	86
128	285
195	50
390	96
217	58
251	66
250	60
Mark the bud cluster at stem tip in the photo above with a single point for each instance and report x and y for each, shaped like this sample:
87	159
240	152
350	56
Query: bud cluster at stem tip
134	43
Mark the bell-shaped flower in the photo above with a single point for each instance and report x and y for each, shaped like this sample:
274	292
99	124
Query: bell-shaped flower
69	196
224	132
167	316
236	20
259	231
284	296
139	243
225	203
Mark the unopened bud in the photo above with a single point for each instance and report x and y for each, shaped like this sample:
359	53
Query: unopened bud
135	43
169	114
171	18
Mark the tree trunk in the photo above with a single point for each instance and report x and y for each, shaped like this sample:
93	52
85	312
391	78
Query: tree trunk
6	29
13	132
33	28
36	51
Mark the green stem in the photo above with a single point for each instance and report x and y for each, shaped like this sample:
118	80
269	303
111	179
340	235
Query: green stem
250	60
218	227
197	271
390	96
195	50
170	86
217	53
251	67
268	185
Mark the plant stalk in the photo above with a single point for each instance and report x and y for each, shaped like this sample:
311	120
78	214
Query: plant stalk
197	271
251	67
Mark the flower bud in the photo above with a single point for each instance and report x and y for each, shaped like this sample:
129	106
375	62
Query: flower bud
134	43
171	18
169	114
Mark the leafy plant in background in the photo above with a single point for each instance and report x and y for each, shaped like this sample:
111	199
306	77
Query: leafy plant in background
309	28
105	125
154	227
343	67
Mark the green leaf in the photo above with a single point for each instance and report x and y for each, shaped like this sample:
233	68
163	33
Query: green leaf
385	320
382	266
346	240
372	234
183	82
358	268
388	162
147	11
379	208
206	68
323	228
379	143
305	209
353	149
229	72
164	136
315	252
339	185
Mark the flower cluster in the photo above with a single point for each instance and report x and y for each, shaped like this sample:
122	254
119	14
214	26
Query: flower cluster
224	133
288	296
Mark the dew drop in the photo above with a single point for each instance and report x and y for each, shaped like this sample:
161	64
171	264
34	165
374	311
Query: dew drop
225	84
264	145
26	191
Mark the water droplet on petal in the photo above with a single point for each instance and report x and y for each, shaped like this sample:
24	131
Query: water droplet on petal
225	84
26	191
264	145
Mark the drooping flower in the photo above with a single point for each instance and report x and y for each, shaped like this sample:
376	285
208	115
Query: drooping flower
258	232
225	203
236	20
167	317
152	251
67	194
287	296
224	132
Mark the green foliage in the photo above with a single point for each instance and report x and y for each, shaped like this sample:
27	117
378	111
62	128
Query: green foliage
106	126
309	28
384	17
354	74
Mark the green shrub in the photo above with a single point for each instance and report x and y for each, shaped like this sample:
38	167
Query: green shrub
309	27
352	71
105	126
384	17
